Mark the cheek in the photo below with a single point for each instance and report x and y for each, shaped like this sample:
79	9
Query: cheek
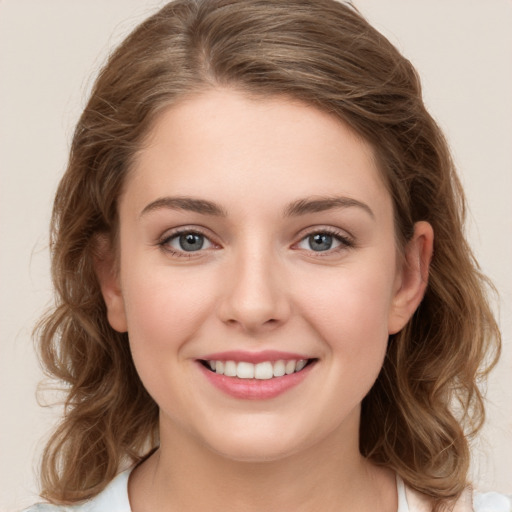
163	310
164	313
351	321
349	307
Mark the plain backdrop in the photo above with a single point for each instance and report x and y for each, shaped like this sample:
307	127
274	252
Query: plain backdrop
50	51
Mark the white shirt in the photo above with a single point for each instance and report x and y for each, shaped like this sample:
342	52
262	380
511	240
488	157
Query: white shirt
114	498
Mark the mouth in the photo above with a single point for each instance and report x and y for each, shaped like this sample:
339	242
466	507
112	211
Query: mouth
261	375
264	370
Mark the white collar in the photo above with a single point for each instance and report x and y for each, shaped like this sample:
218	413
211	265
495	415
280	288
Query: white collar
115	498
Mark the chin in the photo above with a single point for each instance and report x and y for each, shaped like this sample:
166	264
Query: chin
254	453
257	445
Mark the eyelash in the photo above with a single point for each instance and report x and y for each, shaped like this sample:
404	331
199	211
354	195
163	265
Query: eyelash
163	243
345	241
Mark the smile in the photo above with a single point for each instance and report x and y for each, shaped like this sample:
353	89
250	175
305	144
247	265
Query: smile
264	370
256	376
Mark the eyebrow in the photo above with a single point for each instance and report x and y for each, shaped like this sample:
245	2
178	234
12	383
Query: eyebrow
191	204
321	204
296	208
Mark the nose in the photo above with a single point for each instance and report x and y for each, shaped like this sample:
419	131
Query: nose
255	296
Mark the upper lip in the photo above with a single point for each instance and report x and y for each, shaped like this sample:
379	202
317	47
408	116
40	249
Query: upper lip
253	357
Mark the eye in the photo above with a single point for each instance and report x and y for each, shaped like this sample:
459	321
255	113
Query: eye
186	241
323	241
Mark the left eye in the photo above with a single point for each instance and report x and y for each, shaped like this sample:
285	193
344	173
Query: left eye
188	242
319	242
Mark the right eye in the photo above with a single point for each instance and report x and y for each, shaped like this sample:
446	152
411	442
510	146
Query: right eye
186	242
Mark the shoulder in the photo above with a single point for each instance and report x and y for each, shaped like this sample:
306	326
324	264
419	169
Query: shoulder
45	507
418	502
468	502
113	498
492	502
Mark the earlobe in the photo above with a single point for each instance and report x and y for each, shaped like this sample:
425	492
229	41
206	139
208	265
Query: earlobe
107	273
413	276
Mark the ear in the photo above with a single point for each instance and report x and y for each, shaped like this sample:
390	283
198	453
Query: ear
106	268
412	277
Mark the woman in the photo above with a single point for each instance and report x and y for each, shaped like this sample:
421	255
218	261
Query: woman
265	291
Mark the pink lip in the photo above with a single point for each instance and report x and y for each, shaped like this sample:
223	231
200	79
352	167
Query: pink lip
253	357
255	389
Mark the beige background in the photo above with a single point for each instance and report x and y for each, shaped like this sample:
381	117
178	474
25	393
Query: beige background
49	52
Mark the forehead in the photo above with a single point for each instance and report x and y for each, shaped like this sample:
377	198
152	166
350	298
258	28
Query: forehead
271	147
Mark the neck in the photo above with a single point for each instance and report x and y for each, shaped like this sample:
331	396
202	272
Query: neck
185	475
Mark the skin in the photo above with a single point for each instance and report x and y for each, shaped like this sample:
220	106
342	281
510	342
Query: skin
258	284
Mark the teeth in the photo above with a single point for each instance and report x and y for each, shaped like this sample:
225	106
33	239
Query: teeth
300	365
230	369
245	370
261	371
290	366
219	367
279	368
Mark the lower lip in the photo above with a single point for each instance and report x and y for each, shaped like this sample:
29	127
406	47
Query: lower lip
255	389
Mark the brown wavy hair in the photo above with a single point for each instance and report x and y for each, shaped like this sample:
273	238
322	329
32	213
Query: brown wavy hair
425	405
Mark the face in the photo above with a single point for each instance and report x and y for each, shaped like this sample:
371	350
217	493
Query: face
258	276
